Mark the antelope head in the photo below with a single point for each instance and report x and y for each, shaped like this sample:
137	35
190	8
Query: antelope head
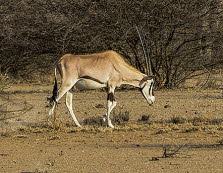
146	84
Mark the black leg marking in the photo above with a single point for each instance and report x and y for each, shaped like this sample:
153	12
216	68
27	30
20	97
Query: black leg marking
111	97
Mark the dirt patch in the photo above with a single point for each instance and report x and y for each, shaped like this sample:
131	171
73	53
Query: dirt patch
114	151
28	144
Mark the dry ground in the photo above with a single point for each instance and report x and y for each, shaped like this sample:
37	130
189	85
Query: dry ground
27	145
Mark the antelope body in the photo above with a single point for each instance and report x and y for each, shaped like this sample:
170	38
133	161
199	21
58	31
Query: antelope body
100	70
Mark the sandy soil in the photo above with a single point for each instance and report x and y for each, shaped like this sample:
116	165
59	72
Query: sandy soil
26	146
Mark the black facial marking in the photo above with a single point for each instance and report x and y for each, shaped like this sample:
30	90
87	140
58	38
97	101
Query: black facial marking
111	97
145	79
151	88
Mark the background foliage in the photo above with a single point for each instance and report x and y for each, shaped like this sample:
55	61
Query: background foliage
182	36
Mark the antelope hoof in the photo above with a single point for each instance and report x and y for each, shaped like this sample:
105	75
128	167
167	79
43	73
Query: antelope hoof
79	125
111	126
104	118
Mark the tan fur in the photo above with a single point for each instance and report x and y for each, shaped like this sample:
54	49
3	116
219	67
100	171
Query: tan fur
107	66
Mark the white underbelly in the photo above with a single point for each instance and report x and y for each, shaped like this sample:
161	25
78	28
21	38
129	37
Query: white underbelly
85	84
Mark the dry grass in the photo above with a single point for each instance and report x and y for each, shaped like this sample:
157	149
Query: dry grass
94	121
121	117
4	81
122	122
96	124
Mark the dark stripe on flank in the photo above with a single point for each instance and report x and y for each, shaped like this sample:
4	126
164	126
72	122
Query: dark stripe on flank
111	97
91	78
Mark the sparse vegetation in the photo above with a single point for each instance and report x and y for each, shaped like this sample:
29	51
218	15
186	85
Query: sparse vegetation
177	120
121	117
191	129
36	33
94	121
3	81
197	120
145	119
147	133
118	118
161	131
220	142
170	151
216	121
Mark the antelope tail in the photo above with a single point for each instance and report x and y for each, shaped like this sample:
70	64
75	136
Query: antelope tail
55	88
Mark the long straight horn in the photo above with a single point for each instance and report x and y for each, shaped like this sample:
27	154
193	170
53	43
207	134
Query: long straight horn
148	62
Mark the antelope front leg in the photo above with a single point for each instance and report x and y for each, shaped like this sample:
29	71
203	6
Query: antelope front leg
111	103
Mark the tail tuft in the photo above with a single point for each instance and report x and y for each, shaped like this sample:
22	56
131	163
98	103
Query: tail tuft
55	89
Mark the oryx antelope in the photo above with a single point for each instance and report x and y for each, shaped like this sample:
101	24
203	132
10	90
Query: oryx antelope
107	69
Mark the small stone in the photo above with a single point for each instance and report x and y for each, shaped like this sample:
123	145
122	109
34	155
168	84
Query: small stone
145	117
54	138
99	106
167	106
154	159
